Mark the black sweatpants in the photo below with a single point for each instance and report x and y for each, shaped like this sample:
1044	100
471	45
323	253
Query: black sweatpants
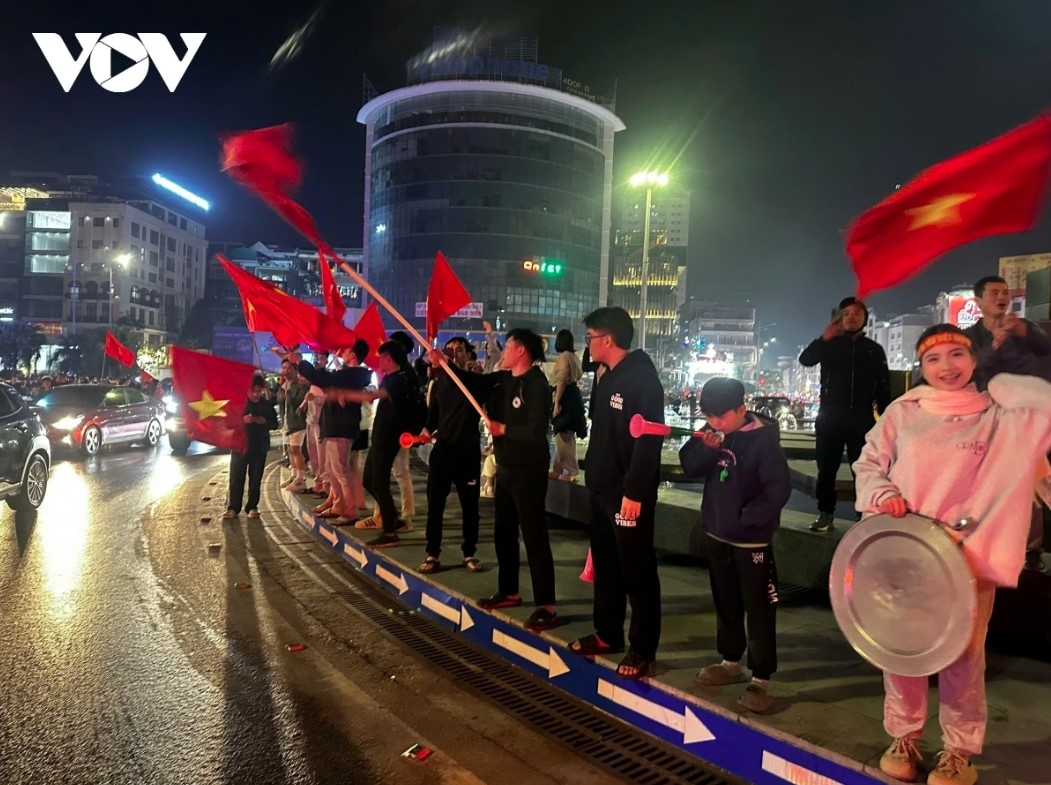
520	504
251	463
376	479
744	587
833	432
460	467
625	571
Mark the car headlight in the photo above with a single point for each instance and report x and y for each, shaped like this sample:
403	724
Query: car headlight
171	407
67	423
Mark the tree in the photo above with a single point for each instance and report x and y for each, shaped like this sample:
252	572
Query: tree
20	344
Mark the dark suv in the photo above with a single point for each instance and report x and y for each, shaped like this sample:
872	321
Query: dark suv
25	453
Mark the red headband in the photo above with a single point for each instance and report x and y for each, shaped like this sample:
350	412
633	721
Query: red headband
941	338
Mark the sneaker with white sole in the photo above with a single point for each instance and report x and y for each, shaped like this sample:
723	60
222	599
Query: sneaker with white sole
368	524
952	768
901	760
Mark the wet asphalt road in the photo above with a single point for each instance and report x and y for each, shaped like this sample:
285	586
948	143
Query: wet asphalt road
129	655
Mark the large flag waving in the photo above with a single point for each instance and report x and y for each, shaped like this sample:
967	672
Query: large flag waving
213	392
445	295
995	188
119	351
370	329
290	320
334	305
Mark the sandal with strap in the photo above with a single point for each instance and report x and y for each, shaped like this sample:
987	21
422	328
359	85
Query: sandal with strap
428	565
592	646
472	564
634	666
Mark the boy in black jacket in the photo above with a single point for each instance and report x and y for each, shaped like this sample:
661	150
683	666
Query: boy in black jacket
623	474
746	483
259	419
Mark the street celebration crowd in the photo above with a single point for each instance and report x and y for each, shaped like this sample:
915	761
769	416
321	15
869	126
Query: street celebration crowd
976	387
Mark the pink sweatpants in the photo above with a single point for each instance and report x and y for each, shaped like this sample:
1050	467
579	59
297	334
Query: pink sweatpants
962	711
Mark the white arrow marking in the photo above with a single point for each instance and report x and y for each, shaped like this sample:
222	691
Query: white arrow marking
466	622
551	661
687	723
328	534
793	772
356	555
439	607
397	581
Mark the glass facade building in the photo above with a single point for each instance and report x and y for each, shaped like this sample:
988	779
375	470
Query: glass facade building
512	182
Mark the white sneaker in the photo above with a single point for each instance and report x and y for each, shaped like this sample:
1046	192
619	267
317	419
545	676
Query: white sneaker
901	759
953	768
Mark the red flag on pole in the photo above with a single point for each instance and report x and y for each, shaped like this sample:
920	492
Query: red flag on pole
213	392
370	329
995	188
334	305
445	295
119	351
290	320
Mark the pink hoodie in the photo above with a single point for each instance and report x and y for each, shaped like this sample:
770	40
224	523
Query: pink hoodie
978	466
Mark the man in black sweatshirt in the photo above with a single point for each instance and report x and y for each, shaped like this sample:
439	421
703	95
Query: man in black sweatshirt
455	459
746	483
854	379
623	474
259	419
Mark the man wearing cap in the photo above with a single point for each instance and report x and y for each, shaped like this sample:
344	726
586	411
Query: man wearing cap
855	379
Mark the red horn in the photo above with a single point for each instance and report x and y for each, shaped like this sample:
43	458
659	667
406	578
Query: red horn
640	426
408	440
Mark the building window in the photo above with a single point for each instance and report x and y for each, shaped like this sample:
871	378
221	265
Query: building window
80	243
135	229
151	319
154	261
97	221
169	282
173	219
182	224
96	245
155	237
170	265
172	245
116	223
153	278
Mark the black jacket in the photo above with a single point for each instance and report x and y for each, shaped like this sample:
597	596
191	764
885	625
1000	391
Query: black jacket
452	418
746	482
1027	356
523	405
258	436
402	390
616	464
338	421
854	374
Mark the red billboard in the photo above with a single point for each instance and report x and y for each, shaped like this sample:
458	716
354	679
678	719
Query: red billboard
964	311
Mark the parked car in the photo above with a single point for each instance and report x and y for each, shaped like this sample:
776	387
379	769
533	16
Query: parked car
175	424
88	416
25	453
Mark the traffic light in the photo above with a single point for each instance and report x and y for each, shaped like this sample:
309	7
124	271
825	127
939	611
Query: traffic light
550	269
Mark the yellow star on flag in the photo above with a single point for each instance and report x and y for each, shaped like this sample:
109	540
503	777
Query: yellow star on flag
943	211
207	406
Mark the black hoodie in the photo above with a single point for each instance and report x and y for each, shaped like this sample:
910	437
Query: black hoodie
523	405
746	482
616	464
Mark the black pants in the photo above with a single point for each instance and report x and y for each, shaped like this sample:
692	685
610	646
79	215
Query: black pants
376	479
251	463
520	504
625	571
744	586
450	466
834	431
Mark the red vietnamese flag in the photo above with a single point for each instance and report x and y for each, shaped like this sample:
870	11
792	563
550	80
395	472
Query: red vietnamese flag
119	351
334	305
213	392
370	329
291	321
995	188
445	296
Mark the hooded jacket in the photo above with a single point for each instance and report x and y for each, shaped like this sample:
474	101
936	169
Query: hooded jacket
746	482
616	464
854	374
980	466
523	405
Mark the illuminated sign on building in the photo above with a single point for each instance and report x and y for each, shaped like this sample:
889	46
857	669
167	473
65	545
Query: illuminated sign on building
964	311
544	268
14	197
178	190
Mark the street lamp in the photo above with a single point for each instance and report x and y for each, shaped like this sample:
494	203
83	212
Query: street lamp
122	260
649	180
761	348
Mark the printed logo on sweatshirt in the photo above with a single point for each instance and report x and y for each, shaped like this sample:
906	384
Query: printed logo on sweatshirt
976	447
771	593
616	402
757	557
620	520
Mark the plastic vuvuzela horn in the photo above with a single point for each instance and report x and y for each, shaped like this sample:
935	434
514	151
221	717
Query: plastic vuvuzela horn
640	426
408	440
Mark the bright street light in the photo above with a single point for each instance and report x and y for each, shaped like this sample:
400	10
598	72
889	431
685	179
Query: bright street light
122	260
649	180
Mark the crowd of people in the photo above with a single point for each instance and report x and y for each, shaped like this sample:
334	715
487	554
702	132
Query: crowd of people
978	387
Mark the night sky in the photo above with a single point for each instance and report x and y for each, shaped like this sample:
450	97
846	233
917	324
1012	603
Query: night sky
784	119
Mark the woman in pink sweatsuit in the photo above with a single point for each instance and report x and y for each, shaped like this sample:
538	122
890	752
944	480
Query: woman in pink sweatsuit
946	451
